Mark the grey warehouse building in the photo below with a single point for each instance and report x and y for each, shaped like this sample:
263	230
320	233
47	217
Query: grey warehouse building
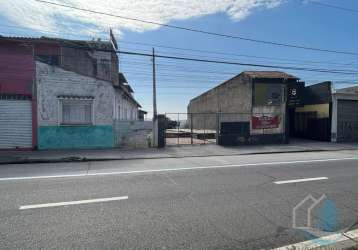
249	108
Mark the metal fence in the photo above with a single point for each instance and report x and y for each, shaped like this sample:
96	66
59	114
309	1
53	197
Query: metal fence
205	128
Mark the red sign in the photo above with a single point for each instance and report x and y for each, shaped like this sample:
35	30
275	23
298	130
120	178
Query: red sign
264	121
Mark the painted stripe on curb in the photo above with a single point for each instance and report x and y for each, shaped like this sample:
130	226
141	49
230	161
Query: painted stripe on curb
67	203
173	169
321	242
301	180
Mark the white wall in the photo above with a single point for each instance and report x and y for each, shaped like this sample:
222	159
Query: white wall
53	81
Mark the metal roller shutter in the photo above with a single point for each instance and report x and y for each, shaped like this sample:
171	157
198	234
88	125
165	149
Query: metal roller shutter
15	124
347	117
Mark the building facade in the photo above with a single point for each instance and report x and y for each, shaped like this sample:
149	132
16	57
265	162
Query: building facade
312	119
326	114
74	111
250	108
57	93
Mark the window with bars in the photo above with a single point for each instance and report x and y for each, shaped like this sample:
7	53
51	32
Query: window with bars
76	112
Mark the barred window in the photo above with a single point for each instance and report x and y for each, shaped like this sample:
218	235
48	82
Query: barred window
76	112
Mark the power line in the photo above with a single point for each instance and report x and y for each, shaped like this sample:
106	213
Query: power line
134	65
332	6
183	73
171	86
292	62
194	50
333	71
230	54
249	61
241	64
202	31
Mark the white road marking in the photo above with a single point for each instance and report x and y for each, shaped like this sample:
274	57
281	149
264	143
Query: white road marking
301	180
323	241
173	169
58	204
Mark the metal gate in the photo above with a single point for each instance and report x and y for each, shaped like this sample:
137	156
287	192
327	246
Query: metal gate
190	129
309	126
15	124
230	129
347	118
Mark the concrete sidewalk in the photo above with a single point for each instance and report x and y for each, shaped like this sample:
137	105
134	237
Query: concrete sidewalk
13	157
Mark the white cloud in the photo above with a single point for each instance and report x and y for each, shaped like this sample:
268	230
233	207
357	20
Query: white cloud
32	14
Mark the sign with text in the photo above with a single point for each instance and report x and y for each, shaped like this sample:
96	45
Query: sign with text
265	121
295	94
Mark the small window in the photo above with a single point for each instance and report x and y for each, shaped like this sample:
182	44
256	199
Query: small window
76	112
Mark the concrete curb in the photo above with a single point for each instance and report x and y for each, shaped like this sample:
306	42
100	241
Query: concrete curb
88	159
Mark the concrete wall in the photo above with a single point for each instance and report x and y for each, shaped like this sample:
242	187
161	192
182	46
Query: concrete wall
53	82
133	134
233	100
75	137
233	96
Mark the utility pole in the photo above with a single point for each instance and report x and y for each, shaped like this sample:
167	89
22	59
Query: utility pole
154	88
155	118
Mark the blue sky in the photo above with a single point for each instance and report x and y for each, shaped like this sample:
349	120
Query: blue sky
287	21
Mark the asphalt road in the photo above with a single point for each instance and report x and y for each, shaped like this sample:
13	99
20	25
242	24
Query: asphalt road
226	202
